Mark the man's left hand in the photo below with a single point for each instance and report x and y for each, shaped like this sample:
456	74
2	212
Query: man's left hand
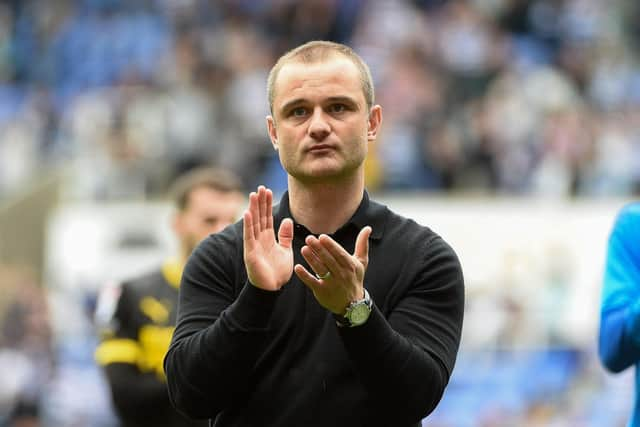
339	276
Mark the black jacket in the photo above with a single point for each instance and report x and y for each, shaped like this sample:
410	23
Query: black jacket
247	357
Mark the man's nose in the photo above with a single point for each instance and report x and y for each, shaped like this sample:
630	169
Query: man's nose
319	127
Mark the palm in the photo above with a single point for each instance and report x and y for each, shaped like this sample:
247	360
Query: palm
269	262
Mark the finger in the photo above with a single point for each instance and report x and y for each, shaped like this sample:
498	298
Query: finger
255	213
323	255
306	277
342	257
314	262
285	233
262	199
361	251
247	230
269	209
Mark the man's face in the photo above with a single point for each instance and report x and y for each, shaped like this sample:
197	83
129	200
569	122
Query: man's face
208	211
320	122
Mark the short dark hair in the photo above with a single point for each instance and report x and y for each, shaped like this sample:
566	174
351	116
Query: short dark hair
318	50
216	179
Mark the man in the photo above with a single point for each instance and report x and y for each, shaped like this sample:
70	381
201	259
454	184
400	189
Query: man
365	333
619	342
138	333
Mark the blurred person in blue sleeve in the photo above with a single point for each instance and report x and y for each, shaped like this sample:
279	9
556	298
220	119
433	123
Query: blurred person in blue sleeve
619	340
137	317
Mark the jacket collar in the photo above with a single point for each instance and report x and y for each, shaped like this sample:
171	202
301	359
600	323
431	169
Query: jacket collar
172	271
368	212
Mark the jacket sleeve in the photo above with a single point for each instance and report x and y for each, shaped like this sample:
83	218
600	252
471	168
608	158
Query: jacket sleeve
218	337
120	353
136	395
406	358
619	334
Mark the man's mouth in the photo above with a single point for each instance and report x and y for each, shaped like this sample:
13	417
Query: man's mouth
320	147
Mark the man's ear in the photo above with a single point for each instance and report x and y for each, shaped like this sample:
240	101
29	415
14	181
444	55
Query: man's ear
177	224
273	133
373	123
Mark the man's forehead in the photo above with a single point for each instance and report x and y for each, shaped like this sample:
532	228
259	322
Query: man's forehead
297	67
337	72
203	195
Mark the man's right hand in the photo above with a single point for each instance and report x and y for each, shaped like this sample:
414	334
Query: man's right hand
269	263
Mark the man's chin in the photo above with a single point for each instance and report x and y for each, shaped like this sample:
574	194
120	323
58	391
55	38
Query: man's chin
324	172
191	244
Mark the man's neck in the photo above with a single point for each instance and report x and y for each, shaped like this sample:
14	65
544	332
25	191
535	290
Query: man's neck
324	208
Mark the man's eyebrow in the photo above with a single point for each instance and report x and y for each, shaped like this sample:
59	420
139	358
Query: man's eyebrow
343	99
332	99
292	103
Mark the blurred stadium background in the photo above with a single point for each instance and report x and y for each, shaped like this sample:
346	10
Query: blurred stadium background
511	127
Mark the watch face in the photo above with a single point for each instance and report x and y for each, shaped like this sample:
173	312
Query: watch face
359	314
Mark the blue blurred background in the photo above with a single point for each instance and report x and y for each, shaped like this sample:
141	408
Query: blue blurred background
511	127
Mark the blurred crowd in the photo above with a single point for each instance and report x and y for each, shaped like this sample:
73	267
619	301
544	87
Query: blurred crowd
494	96
26	348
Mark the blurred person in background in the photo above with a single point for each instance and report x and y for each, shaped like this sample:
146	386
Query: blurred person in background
619	341
255	344
139	315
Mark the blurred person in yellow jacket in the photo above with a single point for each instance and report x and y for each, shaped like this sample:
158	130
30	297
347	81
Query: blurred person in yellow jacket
137	317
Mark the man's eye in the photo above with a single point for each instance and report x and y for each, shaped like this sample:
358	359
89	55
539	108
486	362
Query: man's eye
337	108
298	112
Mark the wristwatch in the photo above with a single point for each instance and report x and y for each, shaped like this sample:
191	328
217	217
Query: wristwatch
357	312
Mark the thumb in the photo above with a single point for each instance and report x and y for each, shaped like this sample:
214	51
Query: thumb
361	251
285	233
